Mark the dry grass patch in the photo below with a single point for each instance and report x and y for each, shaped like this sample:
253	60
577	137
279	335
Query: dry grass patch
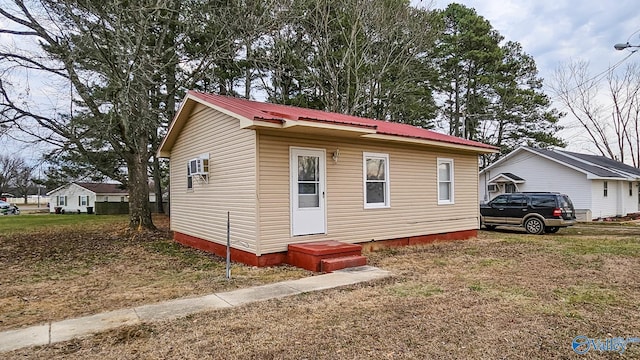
88	268
503	295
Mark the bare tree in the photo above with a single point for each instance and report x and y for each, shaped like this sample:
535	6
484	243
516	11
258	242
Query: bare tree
23	181
625	115
121	64
10	169
609	114
104	53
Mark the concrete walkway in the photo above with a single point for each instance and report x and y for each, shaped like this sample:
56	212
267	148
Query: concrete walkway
84	326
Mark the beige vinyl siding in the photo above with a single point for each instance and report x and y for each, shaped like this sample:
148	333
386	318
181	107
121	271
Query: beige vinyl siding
202	211
414	205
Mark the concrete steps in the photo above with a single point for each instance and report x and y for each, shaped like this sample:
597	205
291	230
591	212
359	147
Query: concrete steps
339	263
325	256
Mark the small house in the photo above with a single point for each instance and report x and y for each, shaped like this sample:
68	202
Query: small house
599	187
290	176
82	196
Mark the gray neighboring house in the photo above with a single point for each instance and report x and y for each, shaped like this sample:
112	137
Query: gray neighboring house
598	186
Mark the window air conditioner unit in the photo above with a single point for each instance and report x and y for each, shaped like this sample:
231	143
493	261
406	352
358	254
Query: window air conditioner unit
492	188
199	166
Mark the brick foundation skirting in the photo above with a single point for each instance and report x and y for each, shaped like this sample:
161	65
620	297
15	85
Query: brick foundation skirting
237	255
419	240
272	259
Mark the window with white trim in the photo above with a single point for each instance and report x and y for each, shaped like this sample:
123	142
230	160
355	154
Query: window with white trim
83	200
605	187
630	189
375	180
62	200
445	181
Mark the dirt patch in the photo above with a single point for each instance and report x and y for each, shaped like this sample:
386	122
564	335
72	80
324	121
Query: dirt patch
503	295
632	217
81	270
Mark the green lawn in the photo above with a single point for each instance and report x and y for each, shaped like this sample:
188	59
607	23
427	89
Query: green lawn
31	223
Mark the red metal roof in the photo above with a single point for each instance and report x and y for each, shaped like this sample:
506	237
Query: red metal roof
254	110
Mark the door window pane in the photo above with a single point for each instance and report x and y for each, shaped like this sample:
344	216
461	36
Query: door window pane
308	168
307	188
308	181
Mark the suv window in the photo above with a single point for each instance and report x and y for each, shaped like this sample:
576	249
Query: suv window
517	200
500	200
543	201
565	202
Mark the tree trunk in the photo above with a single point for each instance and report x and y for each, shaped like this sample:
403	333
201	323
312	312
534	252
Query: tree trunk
247	70
157	184
138	185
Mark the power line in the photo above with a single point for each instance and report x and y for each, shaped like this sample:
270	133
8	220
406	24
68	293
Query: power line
601	74
592	79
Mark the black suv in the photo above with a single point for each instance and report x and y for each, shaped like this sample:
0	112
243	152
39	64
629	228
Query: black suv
538	212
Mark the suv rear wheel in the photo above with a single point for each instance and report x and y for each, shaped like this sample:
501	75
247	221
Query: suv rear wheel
534	226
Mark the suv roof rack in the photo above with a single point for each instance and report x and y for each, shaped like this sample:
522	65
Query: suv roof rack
537	192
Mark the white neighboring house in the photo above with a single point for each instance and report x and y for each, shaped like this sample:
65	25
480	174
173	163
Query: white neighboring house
598	186
80	195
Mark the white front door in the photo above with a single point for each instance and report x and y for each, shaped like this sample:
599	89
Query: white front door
307	191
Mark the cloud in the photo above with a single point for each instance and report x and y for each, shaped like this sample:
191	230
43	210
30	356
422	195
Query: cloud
558	31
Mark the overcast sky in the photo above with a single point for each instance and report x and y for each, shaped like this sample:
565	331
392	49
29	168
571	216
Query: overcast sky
555	32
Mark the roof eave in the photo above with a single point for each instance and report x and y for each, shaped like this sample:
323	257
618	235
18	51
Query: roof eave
56	189
436	143
592	176
495	179
307	126
510	180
